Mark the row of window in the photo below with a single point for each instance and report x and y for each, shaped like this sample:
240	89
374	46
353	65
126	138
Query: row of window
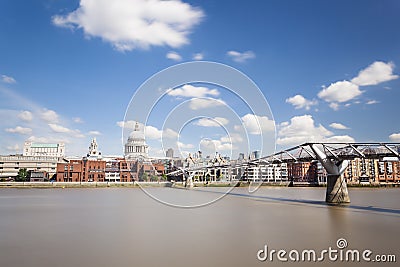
16	168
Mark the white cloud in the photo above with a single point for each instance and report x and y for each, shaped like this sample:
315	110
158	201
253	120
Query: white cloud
241	56
39	139
52	139
188	90
94	133
25	115
61	129
58	128
335	106
341	91
395	137
371	102
126	124
8	79
338	126
202	103
375	73
232	138
298	101
77	120
339	139
130	24
212	122
41	117
49	115
174	56
19	130
184	146
198	56
209	146
169	133
152	132
301	129
255	124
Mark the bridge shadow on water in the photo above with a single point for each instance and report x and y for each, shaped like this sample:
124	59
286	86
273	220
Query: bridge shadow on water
316	203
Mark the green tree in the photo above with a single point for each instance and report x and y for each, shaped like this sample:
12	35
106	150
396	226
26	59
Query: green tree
22	175
154	178
144	177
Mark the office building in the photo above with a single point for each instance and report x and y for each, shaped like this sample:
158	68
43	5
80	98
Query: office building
44	149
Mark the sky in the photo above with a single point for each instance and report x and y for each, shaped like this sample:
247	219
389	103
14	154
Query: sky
319	70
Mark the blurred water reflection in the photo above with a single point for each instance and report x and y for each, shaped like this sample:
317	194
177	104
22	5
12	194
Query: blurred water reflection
125	227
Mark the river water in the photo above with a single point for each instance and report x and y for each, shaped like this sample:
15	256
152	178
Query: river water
126	227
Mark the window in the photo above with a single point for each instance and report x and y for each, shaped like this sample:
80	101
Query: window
381	168
389	167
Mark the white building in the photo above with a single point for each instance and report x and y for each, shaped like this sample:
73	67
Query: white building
10	165
44	150
268	173
136	147
112	170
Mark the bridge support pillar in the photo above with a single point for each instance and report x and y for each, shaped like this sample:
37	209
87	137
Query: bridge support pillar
188	178
336	188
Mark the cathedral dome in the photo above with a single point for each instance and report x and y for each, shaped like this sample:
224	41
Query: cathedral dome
136	146
136	134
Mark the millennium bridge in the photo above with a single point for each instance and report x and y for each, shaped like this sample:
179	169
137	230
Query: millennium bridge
334	157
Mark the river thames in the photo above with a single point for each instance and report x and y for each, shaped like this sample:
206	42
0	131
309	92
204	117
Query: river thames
126	227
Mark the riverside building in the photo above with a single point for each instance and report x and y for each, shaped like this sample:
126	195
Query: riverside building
10	165
39	159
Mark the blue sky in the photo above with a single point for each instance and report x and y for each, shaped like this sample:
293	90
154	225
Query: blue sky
328	69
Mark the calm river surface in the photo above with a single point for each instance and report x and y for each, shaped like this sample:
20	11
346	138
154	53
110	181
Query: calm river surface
125	227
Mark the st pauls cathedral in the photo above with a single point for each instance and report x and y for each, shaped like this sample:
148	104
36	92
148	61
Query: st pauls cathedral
136	147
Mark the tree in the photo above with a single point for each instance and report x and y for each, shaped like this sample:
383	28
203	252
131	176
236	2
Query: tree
154	178
22	175
144	177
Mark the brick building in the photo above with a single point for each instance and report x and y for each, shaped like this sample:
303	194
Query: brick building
388	171
303	171
109	170
81	170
